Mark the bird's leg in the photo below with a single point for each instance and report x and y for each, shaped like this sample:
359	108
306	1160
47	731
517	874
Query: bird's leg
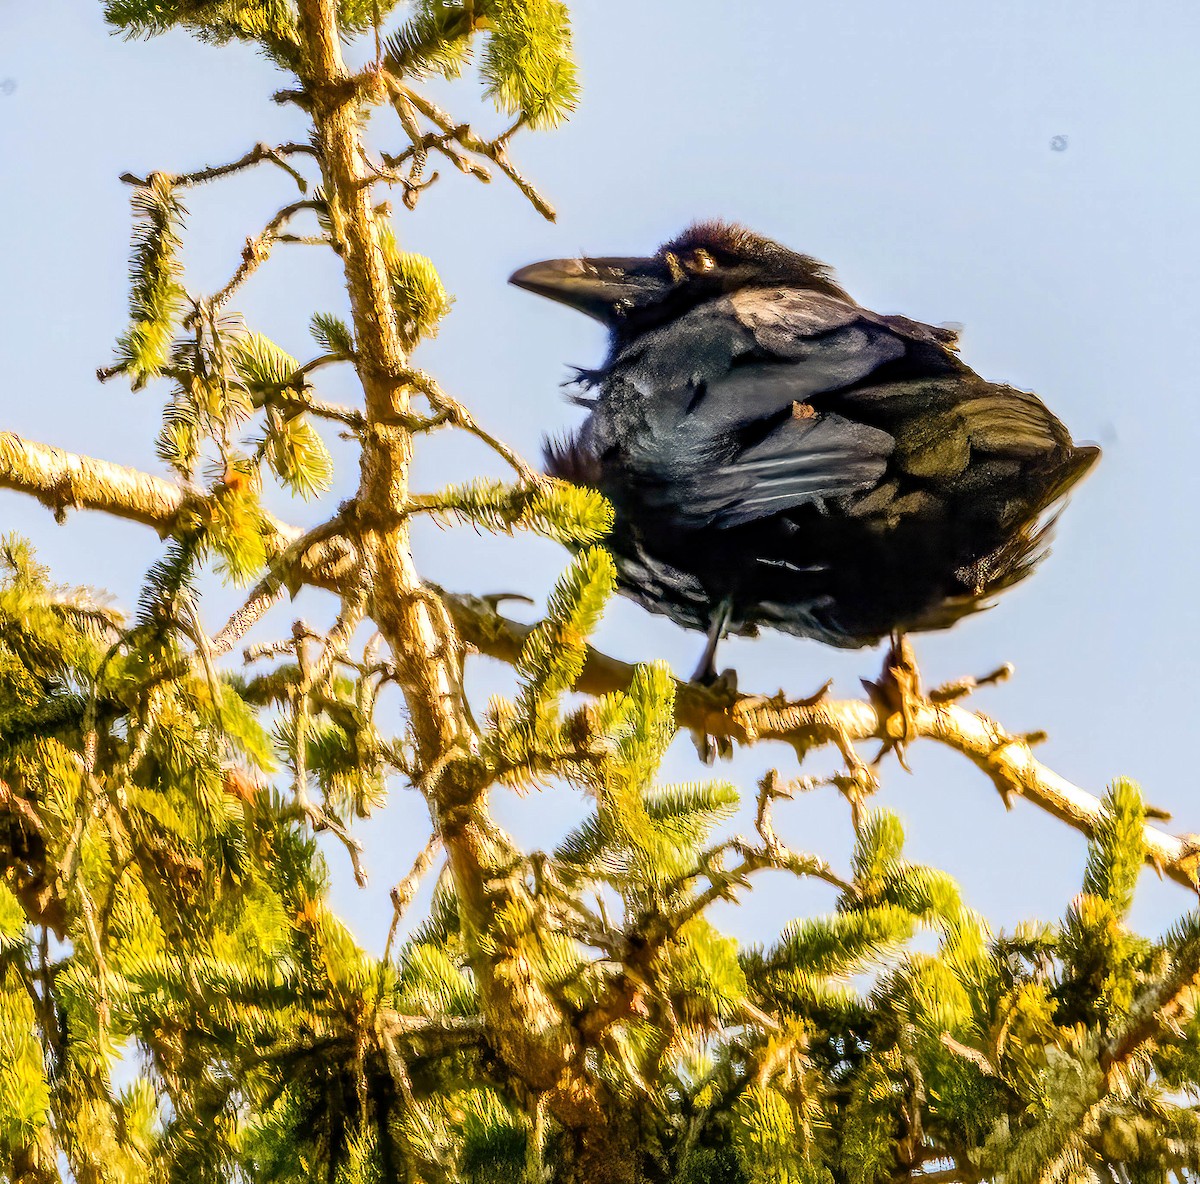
705	674
897	692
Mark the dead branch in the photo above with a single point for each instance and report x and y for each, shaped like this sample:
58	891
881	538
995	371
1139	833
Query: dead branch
254	253
256	155
494	150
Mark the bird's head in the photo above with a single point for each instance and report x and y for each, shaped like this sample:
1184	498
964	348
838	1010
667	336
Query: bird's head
708	260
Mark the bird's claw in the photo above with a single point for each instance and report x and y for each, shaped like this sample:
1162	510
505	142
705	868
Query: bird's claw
723	690
494	600
895	696
709	747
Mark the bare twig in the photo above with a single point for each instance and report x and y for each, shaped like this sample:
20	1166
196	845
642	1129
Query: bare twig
417	153
461	133
256	155
771	854
267	590
321	819
403	892
292	402
254	253
419	147
451	411
334	643
413	184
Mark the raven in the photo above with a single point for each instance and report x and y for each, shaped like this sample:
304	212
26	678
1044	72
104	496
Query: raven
777	455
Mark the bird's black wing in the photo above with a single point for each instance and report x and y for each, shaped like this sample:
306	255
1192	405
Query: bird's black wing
718	416
891	383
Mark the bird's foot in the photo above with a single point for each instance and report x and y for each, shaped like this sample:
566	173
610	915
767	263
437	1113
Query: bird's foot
723	685
895	696
722	688
705	674
708	747
724	691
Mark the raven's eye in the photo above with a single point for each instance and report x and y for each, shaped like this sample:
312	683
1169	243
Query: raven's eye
701	260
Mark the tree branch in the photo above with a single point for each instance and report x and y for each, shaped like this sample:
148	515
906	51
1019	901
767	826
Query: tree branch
403	892
63	480
526	1026
1006	760
457	415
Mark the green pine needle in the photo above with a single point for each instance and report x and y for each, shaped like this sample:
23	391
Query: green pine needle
843	944
332	334
237	534
298	456
260	363
568	514
553	654
878	845
156	296
420	299
358	16
270	23
528	64
1118	848
435	40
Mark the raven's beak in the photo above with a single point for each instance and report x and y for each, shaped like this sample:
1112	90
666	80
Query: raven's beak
602	288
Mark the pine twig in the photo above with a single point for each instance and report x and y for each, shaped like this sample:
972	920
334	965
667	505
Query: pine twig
413	185
1155	1011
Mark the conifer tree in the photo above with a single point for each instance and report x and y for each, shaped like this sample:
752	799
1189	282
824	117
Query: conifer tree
557	1017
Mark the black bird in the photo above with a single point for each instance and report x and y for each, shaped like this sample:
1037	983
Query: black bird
778	455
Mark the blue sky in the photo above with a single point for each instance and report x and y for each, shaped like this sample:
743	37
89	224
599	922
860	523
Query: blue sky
909	146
